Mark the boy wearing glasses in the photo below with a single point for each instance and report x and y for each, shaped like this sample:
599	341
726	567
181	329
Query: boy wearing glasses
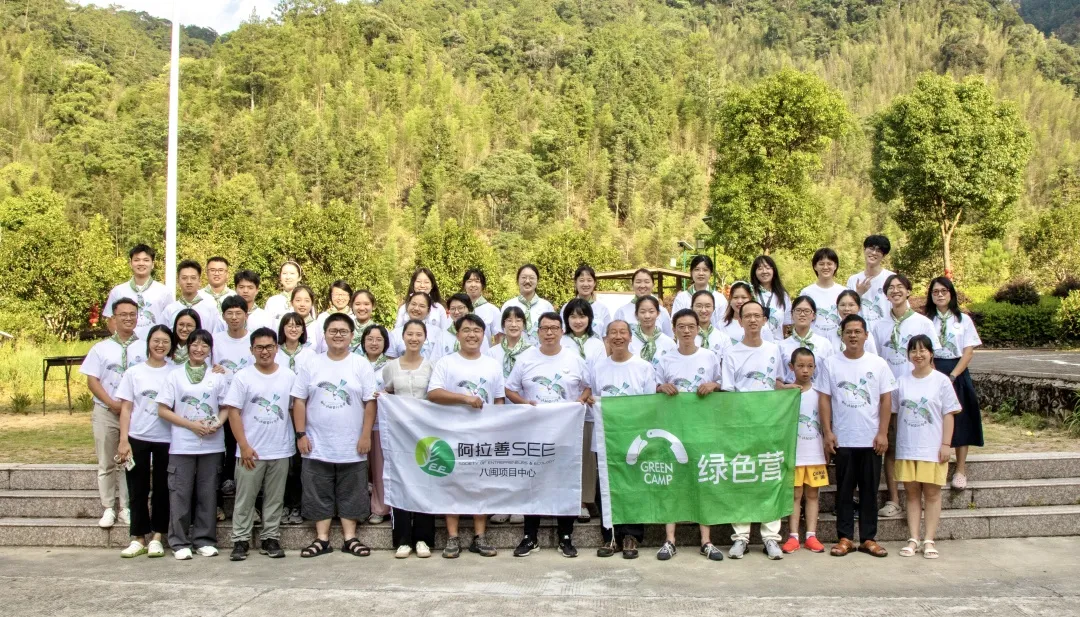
869	283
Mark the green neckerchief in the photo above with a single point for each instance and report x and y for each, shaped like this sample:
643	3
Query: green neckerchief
190	304
123	349
195	374
705	333
648	351
895	338
139	290
308	319
292	355
807	342
358	332
180	356
528	310
379	362
477	303
218	297
943	336
580	342
510	354
332	310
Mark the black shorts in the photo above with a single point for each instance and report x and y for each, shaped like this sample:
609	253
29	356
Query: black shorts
331	489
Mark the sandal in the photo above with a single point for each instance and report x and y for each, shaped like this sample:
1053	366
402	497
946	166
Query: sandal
355	548
909	551
930	550
959	481
841	548
873	548
316	548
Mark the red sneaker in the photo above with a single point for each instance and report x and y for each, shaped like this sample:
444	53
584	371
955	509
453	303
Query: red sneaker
813	545
791	545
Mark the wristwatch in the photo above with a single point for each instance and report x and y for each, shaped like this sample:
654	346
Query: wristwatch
300	435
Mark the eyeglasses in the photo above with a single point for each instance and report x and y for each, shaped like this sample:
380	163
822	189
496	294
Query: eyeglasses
803	311
550	329
940	292
265	348
687	328
338	333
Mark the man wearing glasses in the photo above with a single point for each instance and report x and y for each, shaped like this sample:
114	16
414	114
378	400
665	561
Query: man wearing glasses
870	282
258	405
333	412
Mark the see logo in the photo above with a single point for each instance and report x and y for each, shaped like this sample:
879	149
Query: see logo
435	456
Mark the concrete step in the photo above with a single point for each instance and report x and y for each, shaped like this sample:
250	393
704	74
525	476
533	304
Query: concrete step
959	524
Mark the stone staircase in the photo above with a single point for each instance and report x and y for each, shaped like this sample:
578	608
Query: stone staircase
1008	495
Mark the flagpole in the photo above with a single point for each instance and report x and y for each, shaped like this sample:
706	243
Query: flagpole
170	182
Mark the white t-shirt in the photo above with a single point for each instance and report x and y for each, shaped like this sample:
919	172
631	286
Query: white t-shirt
856	387
685	300
664	344
276	307
822	349
141	385
205	292
875	304
499	354
335	391
828	316
104	361
610	378
482	377
735	333
196	402
718	341
959	335
260	318
896	353
809	447
209	317
549	379
447	343
628	313
492	317
921	405
152	303
751	369
688	373
263	401
838	345
431	349
779	316
594	349
305	355
233	354
437	319
600	319
540	307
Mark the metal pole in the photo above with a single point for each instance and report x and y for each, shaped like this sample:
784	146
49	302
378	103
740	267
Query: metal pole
170	182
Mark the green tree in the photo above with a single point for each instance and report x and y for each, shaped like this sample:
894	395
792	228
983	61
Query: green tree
450	249
508	182
770	143
951	155
1051	238
559	254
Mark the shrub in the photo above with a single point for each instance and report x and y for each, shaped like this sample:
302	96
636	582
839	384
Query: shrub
21	402
1020	292
974	294
1068	317
1070	284
1002	324
84	402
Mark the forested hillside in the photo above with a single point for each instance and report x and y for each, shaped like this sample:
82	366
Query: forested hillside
365	138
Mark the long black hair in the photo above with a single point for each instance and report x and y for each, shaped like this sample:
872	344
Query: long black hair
777	287
954	304
433	295
581	307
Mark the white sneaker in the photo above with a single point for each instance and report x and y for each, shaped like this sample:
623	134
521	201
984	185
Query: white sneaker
182	554
499	519
155	549
207	551
124	518
134	549
108	519
403	551
422	550
517	519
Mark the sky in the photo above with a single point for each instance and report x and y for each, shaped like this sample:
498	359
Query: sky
221	15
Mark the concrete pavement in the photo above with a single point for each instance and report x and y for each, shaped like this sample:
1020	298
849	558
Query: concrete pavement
1029	576
1036	363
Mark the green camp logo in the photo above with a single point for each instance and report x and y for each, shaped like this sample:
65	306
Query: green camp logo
657	472
435	457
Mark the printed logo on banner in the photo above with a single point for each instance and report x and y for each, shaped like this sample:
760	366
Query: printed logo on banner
657	472
435	457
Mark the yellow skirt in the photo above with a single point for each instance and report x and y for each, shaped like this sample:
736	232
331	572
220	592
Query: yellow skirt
811	475
921	471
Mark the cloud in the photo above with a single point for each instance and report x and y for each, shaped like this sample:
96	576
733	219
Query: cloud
221	16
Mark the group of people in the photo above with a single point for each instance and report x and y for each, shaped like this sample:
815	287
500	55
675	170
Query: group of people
210	395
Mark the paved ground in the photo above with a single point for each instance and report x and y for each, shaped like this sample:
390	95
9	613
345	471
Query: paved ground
977	577
1042	363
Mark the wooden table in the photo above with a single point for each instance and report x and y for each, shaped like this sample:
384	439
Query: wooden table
59	361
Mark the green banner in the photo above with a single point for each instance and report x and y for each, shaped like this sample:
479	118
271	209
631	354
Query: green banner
725	458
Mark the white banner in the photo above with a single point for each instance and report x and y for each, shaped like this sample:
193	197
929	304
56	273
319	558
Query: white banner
502	459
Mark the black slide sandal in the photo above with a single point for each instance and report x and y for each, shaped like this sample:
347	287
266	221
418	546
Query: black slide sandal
316	548
355	548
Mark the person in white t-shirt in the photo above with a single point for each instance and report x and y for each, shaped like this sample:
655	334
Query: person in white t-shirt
436	320
289	276
530	303
259	417
217	281
232	351
709	336
688	369
373	345
474	284
293	353
247	284
648	342
512	342
870	283
185	322
418	307
549	373
338	300
303	303
363	313
848	302
810	471
643	288
753	365
467	377
731	325
585	288
333	413
803	336
770	292
892	335
825	290
620	374
447	343
189	277
925	406
579	334
144	439
150	296
191	402
701	273
104	366
855	405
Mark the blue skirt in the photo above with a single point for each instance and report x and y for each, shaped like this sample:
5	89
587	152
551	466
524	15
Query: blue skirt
967	425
